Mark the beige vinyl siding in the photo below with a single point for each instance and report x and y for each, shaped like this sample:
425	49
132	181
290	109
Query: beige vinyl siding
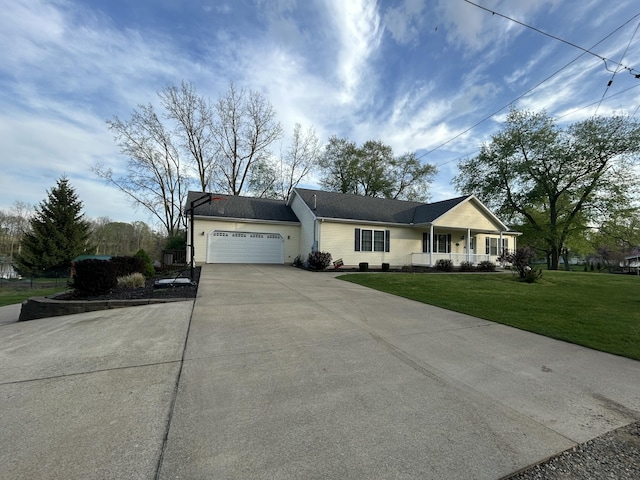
306	226
339	240
290	233
467	215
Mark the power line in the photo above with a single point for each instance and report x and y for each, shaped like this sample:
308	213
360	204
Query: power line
616	71
585	50
557	118
526	92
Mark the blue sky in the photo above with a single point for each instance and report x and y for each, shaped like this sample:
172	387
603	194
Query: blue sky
412	73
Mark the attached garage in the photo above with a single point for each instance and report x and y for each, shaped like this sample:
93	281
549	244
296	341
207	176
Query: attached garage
245	247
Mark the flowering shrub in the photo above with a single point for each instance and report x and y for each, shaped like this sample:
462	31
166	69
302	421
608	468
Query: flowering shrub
319	260
520	261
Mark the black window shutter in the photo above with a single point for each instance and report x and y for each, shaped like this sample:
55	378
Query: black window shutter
387	240
449	243
357	239
425	242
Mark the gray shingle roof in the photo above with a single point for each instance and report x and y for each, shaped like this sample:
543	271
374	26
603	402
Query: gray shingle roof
324	205
357	207
230	206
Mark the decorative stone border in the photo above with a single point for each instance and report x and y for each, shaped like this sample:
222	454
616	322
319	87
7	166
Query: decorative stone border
42	307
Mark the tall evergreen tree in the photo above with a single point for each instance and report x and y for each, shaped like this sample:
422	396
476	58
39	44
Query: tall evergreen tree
58	232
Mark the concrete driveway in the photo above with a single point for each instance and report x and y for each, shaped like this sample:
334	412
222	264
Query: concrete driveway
291	374
288	374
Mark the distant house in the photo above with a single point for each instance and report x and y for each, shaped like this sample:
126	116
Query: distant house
235	229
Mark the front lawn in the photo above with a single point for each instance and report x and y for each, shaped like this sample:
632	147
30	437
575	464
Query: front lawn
9	295
600	311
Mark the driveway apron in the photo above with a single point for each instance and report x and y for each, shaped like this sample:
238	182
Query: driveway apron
290	374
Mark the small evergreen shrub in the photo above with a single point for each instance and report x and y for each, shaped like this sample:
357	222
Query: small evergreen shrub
319	260
486	266
444	265
466	266
94	277
134	280
146	263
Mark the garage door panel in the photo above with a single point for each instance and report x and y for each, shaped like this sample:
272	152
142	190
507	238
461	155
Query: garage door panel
245	247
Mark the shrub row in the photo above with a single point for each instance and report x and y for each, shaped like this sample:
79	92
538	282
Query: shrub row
446	265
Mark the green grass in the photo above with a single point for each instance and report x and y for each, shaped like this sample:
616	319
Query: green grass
599	311
9	296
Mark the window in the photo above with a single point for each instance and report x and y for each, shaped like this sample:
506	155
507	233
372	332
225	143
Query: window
491	246
372	240
366	240
505	245
472	244
378	241
441	243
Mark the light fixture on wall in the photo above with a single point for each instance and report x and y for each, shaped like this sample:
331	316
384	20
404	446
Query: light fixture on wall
202	233
462	237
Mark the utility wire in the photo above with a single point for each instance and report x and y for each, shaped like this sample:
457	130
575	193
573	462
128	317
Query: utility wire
557	118
585	50
616	71
526	92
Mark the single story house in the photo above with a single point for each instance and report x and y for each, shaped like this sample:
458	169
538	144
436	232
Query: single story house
353	228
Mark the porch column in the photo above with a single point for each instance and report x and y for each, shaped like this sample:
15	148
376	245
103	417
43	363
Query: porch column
431	246
468	245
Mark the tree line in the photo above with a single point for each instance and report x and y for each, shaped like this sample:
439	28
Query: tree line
227	146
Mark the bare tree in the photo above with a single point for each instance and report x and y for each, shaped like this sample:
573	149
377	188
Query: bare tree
154	177
192	115
278	177
244	127
14	223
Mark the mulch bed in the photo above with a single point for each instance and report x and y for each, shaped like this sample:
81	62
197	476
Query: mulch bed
148	291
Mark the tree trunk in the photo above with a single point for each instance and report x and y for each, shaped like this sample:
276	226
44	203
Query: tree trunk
555	256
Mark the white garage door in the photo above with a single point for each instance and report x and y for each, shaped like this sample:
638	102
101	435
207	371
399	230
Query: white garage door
245	247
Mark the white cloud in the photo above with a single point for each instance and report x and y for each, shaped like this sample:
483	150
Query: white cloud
405	21
358	31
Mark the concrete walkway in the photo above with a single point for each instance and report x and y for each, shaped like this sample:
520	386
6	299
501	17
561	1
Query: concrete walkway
288	374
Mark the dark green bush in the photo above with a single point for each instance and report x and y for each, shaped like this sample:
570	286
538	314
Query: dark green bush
385	267
319	260
444	265
466	266
177	242
126	265
363	266
147	265
93	277
486	266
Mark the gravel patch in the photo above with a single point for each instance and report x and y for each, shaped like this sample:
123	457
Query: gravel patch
615	455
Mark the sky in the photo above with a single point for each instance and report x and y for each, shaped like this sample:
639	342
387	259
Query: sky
434	77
